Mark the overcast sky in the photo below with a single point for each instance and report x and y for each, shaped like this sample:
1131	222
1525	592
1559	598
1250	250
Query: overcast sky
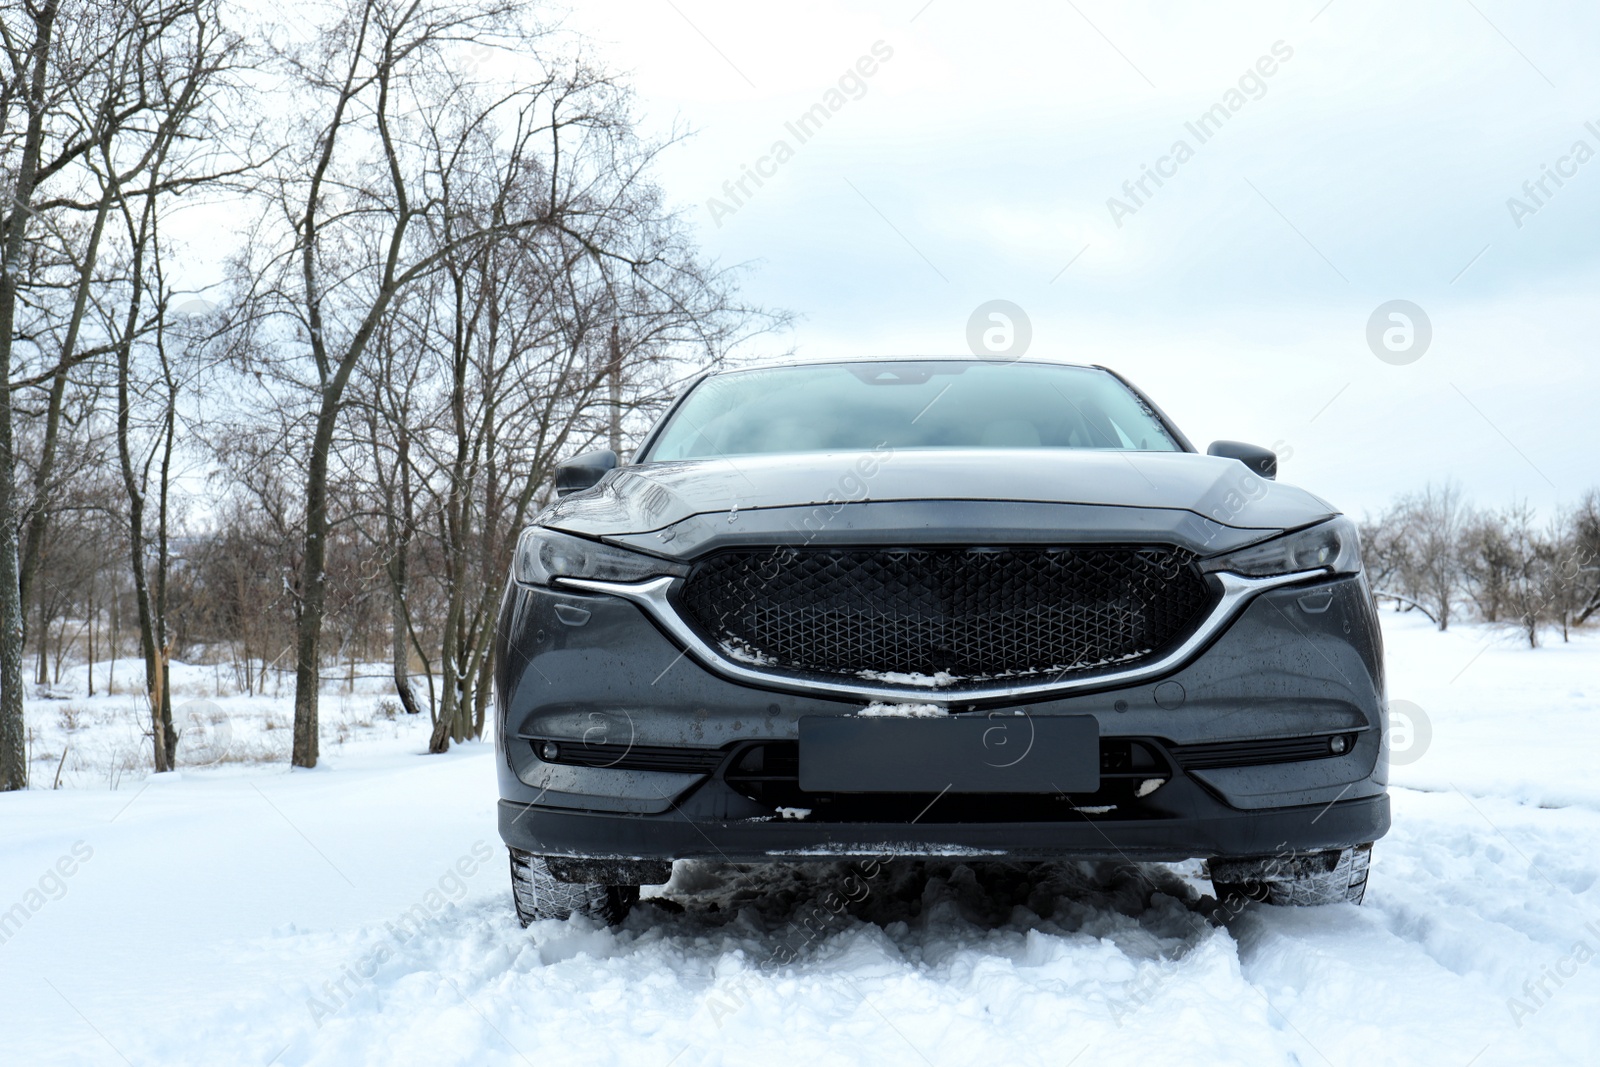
1368	154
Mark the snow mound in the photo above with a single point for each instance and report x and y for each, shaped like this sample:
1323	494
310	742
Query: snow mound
902	711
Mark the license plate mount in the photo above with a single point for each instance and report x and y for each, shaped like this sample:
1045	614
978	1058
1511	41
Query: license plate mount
1000	752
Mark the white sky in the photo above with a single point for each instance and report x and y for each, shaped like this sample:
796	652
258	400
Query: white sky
1376	166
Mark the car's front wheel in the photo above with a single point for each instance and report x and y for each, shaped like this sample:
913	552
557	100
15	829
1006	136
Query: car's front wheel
1338	876
540	895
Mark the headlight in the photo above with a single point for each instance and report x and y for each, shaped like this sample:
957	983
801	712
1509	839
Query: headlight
1333	546
544	554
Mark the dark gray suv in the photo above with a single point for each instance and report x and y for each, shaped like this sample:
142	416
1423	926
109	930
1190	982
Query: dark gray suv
934	608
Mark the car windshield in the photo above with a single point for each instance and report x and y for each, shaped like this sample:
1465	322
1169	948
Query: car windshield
908	405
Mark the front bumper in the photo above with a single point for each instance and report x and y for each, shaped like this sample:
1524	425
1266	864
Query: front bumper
1213	830
1296	662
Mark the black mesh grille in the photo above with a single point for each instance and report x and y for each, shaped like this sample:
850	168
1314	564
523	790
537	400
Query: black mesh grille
973	613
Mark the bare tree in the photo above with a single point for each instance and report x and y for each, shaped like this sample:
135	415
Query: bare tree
81	79
26	91
1435	520
1529	579
140	173
403	166
541	347
1489	561
352	195
1386	549
1584	525
451	284
391	423
232	589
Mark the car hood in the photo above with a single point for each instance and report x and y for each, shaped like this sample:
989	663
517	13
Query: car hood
650	497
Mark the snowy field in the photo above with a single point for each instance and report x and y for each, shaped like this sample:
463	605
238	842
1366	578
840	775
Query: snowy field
237	913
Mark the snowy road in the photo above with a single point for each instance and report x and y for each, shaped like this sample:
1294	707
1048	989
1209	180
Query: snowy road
346	915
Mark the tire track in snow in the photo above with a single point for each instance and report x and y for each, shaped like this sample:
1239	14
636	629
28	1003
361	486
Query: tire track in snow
1459	916
940	963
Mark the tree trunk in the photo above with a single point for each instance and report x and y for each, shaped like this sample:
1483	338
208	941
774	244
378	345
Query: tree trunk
456	522
614	391
481	696
13	734
41	667
167	640
94	617
156	678
1589	608
313	590
39	521
444	727
154	668
111	660
401	522
150	643
61	651
397	623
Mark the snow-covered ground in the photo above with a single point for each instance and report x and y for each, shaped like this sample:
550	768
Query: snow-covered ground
100	741
237	913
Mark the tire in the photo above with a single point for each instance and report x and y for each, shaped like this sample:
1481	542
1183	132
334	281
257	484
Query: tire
1305	880
539	895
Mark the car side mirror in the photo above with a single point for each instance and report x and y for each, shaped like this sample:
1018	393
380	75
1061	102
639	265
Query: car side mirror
1264	461
581	472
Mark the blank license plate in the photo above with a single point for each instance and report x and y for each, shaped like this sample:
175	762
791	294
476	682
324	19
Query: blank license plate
997	753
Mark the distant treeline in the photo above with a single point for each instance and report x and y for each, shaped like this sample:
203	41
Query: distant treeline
1433	551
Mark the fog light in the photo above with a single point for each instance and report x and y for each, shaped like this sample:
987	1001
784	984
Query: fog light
551	751
1338	744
